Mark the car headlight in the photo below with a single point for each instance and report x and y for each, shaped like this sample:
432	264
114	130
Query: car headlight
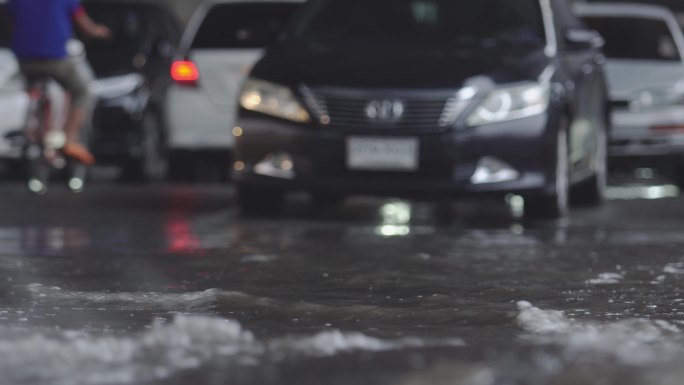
511	103
272	99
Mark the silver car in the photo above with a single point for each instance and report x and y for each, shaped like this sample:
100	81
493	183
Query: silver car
222	41
645	68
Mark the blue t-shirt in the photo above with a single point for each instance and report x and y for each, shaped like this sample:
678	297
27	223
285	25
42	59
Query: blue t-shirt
42	28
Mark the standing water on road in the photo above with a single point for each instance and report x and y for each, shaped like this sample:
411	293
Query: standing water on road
169	285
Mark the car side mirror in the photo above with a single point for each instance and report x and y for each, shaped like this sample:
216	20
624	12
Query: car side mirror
579	39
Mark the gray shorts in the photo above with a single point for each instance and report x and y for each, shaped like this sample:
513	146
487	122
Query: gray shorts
69	73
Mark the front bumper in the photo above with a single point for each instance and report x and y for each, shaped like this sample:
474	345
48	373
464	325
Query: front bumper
447	160
658	133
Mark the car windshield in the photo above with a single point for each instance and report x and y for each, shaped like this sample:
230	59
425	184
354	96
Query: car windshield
131	29
242	25
635	38
424	23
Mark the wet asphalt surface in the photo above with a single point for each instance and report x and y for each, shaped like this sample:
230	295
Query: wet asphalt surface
168	284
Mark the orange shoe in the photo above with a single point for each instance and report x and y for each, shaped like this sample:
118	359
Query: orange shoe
78	152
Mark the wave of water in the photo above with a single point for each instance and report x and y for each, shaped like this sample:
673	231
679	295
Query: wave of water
208	300
167	348
633	341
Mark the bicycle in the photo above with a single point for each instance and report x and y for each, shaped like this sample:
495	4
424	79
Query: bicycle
42	153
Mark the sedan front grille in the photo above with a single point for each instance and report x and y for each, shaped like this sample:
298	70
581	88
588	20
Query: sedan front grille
416	111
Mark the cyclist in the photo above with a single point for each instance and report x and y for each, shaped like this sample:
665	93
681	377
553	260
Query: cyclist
40	32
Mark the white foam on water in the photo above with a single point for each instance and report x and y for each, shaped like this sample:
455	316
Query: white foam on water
334	342
674	268
632	341
77	358
167	348
606	279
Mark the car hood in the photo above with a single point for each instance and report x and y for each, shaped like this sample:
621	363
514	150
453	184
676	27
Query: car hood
626	78
389	68
8	66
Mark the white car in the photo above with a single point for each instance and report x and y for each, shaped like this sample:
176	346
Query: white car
13	98
645	68
221	43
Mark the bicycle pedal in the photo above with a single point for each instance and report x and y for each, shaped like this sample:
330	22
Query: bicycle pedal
58	163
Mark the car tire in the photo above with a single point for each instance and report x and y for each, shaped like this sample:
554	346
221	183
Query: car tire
553	205
152	164
591	192
327	200
259	200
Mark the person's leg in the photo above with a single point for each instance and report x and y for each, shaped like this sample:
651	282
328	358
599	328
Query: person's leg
76	81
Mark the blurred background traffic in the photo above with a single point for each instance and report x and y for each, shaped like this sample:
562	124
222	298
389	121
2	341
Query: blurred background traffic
169	86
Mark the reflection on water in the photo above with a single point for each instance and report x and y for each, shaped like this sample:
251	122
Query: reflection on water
180	236
517	205
396	217
642	192
42	240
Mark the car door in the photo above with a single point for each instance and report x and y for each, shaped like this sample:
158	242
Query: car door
582	58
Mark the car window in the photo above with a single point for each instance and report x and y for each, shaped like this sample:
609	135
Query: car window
5	30
635	38
244	25
482	22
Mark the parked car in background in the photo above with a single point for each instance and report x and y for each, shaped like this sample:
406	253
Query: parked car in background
426	98
132	78
645	70
221	43
13	99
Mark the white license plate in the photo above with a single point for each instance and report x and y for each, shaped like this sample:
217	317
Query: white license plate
382	154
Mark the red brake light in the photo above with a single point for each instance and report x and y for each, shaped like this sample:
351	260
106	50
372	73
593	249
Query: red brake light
184	72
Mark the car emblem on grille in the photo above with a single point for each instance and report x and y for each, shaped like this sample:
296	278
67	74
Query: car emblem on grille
385	111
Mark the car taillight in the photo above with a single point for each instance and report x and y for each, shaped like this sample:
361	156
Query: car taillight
185	73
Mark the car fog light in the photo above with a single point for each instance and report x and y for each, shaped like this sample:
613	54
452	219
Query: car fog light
493	170
278	165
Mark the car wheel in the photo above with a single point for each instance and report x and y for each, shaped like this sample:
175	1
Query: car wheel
152	163
592	191
327	200
553	205
259	200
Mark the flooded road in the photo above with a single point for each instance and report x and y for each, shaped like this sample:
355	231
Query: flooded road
170	285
